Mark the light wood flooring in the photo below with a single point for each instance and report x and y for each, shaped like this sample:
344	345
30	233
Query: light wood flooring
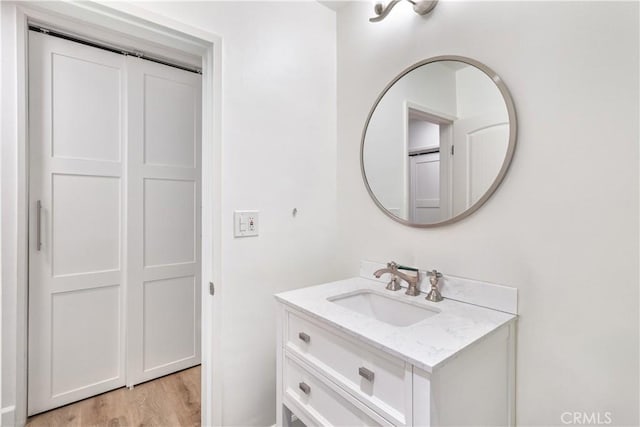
170	401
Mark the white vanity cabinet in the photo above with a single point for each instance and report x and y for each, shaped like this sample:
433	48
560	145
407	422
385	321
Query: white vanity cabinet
330	375
373	378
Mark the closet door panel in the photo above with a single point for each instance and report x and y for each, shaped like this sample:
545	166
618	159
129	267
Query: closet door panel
86	225
76	217
170	122
169	222
86	109
169	339
164	220
87	352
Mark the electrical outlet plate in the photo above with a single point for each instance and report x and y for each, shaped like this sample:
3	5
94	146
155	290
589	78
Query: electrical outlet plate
245	223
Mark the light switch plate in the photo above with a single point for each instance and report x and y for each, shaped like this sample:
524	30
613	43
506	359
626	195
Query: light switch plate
245	223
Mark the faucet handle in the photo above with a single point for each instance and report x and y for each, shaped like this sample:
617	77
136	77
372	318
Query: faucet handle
434	274
434	294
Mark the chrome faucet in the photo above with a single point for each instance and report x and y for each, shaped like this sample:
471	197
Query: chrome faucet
394	284
434	294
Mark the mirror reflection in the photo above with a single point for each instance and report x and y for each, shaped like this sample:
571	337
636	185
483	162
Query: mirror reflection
438	142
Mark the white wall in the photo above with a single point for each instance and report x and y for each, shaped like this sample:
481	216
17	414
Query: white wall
476	94
423	135
279	152
563	227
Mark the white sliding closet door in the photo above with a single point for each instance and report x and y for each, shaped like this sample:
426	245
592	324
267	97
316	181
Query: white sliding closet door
164	230
76	276
114	249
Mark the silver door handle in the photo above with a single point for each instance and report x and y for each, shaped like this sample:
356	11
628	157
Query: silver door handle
38	225
366	374
305	388
304	337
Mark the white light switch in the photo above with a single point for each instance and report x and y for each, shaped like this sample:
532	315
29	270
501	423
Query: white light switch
245	223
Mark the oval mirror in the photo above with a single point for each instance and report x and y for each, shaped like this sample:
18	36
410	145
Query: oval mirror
438	141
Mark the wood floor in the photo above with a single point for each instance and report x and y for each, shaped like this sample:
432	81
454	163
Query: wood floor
169	401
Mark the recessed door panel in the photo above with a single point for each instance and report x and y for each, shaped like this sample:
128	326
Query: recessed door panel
169	338
169	221
169	122
86	224
86	108
86	352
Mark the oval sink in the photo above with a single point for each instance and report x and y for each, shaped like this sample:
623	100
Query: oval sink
383	308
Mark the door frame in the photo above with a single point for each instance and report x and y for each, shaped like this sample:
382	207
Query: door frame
93	19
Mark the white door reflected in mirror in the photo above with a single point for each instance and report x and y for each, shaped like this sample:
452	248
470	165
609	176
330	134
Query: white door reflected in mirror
438	141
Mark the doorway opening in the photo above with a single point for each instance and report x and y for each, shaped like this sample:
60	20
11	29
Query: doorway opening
95	22
428	168
114	247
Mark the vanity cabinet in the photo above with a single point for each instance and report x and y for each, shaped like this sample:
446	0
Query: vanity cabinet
327	375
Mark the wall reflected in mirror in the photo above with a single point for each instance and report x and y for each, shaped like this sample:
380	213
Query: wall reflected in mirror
437	141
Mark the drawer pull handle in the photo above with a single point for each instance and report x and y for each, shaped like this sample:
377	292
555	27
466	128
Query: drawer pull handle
305	388
366	374
304	337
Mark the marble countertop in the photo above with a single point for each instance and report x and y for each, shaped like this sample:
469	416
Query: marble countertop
427	344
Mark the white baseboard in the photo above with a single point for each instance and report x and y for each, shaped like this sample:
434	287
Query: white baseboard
8	416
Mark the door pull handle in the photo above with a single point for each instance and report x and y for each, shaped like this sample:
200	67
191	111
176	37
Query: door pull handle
38	225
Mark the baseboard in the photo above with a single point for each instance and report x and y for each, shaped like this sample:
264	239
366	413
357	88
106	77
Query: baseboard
8	415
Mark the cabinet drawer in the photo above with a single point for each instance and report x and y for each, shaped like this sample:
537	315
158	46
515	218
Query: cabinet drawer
379	380
316	402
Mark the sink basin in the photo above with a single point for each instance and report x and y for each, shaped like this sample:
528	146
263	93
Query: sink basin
384	308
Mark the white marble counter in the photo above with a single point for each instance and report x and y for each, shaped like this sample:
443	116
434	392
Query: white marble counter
427	344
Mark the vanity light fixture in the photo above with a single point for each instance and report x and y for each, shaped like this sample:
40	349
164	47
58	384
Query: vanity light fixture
421	7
